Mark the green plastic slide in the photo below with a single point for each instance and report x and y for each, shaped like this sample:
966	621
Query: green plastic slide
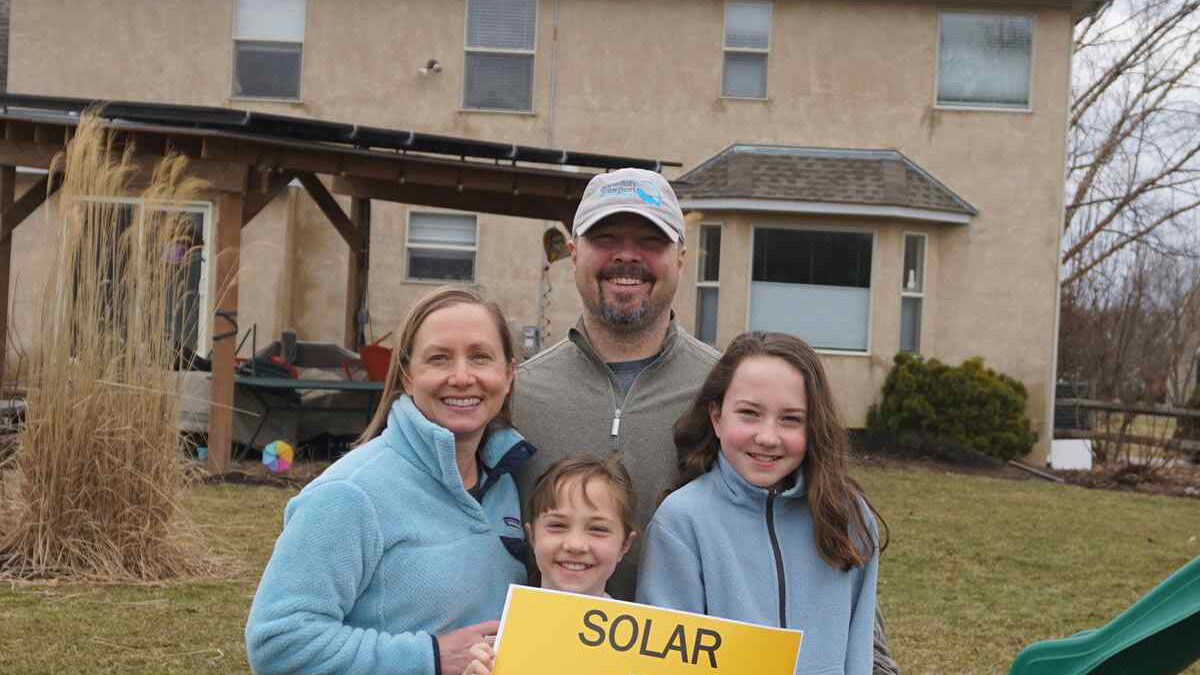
1158	635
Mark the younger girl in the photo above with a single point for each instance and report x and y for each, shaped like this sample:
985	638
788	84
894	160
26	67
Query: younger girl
768	527
582	524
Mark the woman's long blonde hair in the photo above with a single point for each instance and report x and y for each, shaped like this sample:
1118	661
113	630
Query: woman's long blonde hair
441	298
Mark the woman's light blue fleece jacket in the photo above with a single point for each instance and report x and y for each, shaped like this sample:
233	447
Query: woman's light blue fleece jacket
708	550
385	549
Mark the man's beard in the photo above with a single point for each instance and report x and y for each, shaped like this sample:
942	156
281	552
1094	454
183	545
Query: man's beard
628	319
624	319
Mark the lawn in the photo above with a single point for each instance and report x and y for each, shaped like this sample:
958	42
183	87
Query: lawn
978	567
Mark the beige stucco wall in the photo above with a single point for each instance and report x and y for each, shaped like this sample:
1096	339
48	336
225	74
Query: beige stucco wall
637	79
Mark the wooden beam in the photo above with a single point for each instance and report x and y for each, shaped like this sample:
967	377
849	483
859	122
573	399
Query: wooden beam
224	331
503	203
8	188
1132	408
257	200
1164	441
356	271
35	196
221	176
331	209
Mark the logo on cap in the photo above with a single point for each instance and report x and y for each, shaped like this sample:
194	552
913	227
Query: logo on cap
644	190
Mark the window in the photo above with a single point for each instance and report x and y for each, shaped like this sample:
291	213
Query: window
912	292
441	246
984	60
708	283
185	252
500	48
815	284
747	43
268	42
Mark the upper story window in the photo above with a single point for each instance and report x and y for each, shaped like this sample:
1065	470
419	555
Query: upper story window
500	47
268	42
441	246
984	60
747	44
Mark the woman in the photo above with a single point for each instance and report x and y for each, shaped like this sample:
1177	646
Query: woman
390	559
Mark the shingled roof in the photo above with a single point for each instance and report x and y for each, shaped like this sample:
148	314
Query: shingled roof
820	180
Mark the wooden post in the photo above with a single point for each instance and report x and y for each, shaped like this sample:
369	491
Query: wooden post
224	330
356	273
8	195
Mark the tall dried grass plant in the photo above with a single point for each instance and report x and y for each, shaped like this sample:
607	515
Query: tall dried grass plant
99	468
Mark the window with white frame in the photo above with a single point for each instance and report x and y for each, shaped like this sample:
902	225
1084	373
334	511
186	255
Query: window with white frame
747	44
500	45
708	283
815	284
984	60
441	246
186	254
912	292
268	45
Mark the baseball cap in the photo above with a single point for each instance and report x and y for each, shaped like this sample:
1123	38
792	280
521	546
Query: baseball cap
638	191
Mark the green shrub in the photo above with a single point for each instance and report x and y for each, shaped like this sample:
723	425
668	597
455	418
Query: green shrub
967	404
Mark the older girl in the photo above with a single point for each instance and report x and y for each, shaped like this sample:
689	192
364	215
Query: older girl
768	527
372	570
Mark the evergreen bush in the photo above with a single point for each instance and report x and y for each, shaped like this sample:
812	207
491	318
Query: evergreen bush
968	404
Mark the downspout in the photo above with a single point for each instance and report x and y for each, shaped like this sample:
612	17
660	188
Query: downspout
1052	384
544	263
553	86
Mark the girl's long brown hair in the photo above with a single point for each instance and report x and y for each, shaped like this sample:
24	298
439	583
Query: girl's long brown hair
842	536
441	298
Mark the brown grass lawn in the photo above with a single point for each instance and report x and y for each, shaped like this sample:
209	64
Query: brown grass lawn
978	567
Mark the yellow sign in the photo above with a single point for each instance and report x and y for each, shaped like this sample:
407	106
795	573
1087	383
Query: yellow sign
546	632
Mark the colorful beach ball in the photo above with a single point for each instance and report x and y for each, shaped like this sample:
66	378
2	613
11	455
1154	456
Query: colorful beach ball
278	456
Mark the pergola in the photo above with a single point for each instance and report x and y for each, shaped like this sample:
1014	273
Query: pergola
247	158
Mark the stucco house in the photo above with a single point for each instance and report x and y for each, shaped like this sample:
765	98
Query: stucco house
876	175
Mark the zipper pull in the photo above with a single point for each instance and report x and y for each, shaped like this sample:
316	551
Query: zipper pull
616	424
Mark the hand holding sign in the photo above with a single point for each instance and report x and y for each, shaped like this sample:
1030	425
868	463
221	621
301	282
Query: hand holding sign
543	630
484	659
454	648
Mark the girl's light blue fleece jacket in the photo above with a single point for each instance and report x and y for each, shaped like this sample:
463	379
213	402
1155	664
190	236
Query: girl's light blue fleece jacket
385	550
711	549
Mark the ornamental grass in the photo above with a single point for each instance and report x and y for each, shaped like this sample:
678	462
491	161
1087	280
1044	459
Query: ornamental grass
94	486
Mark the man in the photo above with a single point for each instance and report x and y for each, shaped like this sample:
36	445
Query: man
626	372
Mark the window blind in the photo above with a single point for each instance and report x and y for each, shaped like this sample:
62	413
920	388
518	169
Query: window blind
984	59
446	229
281	20
748	25
501	24
827	317
499	81
745	75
